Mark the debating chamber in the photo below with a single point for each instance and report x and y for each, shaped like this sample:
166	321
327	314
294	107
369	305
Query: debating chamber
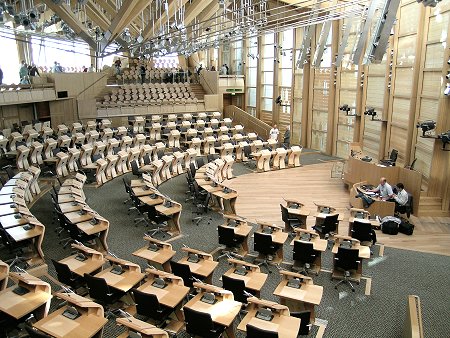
225	168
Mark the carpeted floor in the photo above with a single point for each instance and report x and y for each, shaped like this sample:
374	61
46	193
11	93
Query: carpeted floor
394	276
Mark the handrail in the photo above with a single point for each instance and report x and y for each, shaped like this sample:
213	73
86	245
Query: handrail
250	122
95	82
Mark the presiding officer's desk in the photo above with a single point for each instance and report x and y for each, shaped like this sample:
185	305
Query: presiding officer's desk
86	260
298	292
361	215
202	269
358	171
88	322
156	252
223	311
130	276
241	228
378	207
250	273
145	330
297	210
171	294
281	322
278	237
319	245
364	253
30	295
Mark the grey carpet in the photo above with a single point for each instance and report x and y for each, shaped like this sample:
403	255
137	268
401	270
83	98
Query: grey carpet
395	276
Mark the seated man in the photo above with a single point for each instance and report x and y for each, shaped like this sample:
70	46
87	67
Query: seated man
384	189
401	198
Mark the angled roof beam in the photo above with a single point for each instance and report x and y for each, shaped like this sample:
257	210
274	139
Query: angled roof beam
129	10
66	14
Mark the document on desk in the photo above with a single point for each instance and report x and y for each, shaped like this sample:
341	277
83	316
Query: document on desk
60	326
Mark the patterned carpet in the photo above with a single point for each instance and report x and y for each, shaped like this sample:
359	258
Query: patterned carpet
394	276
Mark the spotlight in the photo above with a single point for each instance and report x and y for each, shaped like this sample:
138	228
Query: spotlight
447	76
10	10
447	90
345	108
426	126
33	15
445	137
371	112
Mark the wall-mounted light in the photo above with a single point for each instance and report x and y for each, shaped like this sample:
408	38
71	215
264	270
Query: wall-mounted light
426	126
445	138
447	90
371	112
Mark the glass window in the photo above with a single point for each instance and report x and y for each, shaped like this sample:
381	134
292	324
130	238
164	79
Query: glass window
286	77
267	91
267	104
251	97
9	61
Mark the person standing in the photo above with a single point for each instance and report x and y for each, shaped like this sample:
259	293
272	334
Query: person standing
34	71
287	136
274	132
142	73
1	76
23	72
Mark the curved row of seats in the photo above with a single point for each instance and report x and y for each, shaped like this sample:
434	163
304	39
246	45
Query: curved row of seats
19	229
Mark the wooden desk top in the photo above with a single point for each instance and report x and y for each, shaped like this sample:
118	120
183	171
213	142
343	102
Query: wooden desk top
151	201
373	222
78	217
57	325
91	264
322	215
318	243
224	195
307	293
139	326
12	220
204	267
168	211
18	306
70	207
8	209
209	188
254	280
300	211
242	229
279	237
124	282
91	229
222	312
7	199
142	190
161	256
286	326
364	251
20	234
172	295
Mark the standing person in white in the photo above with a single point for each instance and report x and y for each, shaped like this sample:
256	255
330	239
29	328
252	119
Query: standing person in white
274	133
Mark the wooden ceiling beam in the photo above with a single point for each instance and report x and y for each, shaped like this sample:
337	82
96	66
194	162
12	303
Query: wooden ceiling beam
129	10
66	14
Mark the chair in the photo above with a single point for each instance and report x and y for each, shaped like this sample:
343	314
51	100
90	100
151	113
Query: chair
363	232
304	255
407	208
147	305
392	158
347	260
256	332
183	271
264	245
201	201
329	225
101	293
66	276
230	240
201	324
127	190
289	222
35	333
305	322
237	287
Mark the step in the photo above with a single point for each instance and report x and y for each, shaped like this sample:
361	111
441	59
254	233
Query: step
430	201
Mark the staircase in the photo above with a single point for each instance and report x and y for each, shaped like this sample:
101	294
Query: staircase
198	90
431	206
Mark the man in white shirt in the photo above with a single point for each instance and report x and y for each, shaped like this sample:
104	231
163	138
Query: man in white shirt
274	133
384	189
401	198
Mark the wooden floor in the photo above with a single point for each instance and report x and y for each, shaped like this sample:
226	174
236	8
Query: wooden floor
261	193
